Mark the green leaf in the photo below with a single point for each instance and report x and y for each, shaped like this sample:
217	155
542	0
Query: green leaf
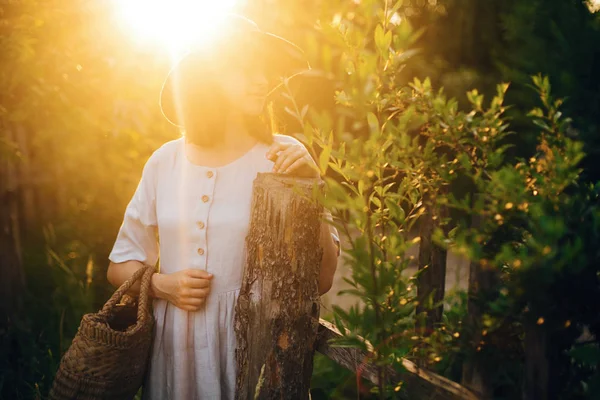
335	190
308	133
324	159
373	122
536	112
396	211
395	8
475	99
303	112
375	200
325	153
383	40
379	36
542	124
334	166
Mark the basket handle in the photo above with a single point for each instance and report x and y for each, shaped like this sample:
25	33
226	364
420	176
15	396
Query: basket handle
145	295
146	274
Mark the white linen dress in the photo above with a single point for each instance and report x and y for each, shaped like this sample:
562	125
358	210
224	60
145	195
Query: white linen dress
201	215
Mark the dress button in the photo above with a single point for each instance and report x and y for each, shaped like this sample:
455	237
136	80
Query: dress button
200	251
200	224
205	198
209	174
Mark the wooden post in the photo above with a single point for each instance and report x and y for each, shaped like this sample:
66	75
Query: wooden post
432	267
481	280
537	363
277	311
473	374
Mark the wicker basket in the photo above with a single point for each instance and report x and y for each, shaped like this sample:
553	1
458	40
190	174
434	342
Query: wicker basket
109	354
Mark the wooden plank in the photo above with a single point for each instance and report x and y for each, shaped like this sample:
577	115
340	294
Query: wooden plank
417	382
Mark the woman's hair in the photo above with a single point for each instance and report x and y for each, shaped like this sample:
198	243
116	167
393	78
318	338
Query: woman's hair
202	107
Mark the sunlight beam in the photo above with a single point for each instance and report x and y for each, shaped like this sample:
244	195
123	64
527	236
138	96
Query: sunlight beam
175	25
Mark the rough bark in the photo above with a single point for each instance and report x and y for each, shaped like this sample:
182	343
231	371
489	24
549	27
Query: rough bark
277	311
417	382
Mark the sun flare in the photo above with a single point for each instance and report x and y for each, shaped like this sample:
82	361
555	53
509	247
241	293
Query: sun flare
173	24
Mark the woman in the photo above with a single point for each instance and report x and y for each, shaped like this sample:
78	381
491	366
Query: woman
195	193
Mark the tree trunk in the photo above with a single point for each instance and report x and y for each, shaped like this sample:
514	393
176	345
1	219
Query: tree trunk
12	279
432	269
536	363
277	312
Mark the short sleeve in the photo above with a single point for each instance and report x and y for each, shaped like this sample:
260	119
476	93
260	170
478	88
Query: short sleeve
136	239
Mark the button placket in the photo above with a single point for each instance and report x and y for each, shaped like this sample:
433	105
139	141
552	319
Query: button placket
206	198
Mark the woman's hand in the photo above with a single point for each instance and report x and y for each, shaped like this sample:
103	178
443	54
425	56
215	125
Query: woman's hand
294	159
185	289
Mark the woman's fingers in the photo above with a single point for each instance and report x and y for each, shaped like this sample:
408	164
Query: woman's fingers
292	157
297	157
287	157
197	283
196	278
194	302
198	273
195	293
296	165
190	307
279	150
276	147
279	156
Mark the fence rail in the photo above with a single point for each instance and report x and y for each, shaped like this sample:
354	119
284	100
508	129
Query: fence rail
417	382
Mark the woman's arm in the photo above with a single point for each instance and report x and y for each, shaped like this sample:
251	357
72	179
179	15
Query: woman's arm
329	260
118	273
186	289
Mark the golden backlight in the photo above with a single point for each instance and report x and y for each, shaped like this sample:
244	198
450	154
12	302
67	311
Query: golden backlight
175	25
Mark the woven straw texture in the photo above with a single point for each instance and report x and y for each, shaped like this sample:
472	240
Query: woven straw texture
109	354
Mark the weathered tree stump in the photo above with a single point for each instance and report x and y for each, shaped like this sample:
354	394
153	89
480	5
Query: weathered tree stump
277	311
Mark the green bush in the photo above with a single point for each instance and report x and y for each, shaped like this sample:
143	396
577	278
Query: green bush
396	152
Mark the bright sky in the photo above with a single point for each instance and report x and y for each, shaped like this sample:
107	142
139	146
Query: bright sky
173	24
